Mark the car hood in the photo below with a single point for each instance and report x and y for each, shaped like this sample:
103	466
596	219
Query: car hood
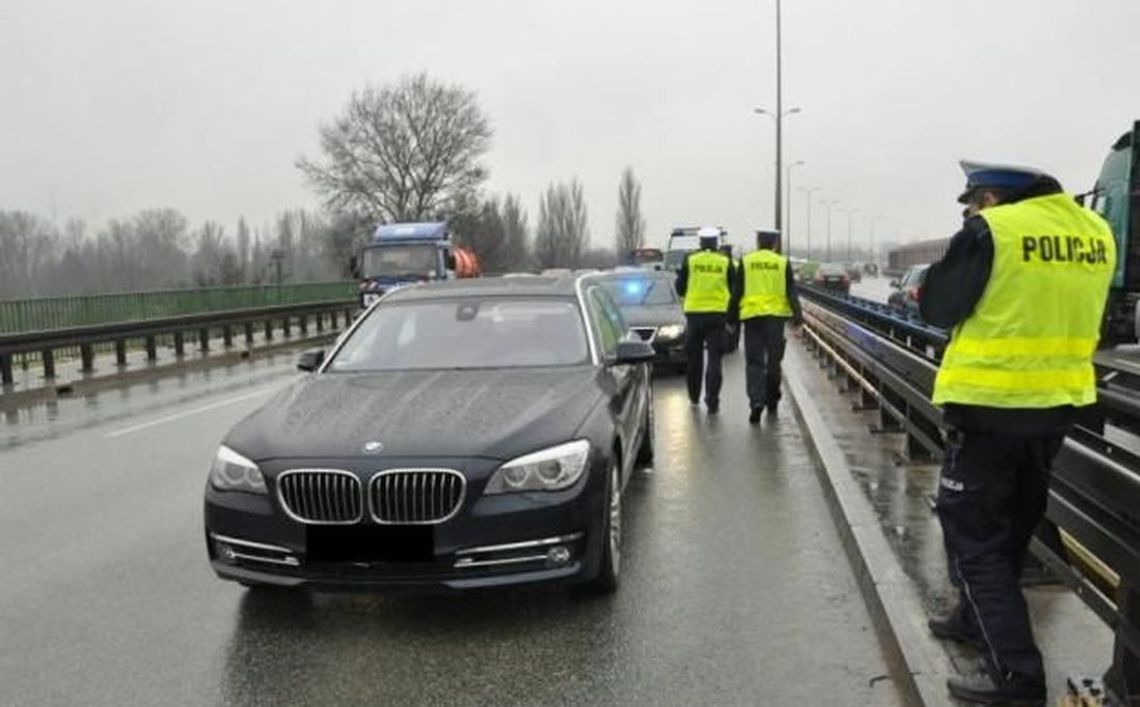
655	316
498	414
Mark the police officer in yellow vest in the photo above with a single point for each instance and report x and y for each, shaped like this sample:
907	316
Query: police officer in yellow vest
1023	288
705	282
768	299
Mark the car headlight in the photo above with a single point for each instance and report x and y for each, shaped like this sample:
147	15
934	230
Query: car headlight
547	470
670	332
233	472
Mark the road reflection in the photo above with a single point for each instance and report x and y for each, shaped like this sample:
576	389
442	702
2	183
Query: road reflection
518	646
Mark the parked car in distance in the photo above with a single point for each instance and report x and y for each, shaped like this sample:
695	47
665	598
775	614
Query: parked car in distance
461	434
832	276
652	310
906	288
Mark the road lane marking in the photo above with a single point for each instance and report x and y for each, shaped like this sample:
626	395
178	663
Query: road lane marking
187	413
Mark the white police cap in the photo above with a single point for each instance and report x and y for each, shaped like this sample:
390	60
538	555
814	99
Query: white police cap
989	174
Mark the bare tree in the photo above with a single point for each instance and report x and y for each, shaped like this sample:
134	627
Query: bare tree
244	243
406	152
562	230
630	233
215	261
517	233
28	246
599	258
484	232
158	240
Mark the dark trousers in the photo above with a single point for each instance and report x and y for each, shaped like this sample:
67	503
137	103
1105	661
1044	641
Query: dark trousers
991	497
704	331
764	352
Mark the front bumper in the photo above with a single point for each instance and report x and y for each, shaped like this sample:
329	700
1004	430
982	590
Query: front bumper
669	352
493	541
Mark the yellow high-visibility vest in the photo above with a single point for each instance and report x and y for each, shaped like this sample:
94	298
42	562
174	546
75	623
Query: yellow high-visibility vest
1030	340
707	289
765	285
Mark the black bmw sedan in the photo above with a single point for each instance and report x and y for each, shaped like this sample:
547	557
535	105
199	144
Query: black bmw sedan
460	434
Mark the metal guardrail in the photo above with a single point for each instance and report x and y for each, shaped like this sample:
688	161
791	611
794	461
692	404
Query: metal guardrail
46	344
891	358
40	314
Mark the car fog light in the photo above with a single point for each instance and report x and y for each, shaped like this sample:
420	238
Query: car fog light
559	555
226	552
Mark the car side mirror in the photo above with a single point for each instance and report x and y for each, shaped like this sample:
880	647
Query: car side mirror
310	360
894	283
633	350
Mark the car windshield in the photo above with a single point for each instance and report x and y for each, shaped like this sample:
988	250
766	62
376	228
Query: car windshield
400	260
675	258
640	291
831	269
466	333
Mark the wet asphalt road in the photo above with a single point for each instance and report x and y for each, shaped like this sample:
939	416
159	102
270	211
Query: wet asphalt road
736	590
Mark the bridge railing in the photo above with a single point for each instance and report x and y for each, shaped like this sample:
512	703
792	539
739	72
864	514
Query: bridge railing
46	313
1091	534
48	345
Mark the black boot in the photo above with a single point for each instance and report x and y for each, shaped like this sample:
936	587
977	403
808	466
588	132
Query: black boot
983	689
754	416
952	628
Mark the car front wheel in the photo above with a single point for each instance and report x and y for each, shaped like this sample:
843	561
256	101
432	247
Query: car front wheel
609	571
645	451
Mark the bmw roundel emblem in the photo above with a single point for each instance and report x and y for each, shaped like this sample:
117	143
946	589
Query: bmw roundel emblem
373	447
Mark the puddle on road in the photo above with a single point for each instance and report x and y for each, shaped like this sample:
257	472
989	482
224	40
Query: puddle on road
53	418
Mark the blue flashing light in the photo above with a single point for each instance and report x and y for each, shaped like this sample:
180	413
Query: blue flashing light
634	287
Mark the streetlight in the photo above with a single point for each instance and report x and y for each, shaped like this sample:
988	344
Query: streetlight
829	203
788	210
871	234
809	192
777	117
850	213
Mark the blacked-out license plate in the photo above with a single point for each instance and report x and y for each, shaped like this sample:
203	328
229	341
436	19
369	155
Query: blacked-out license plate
370	543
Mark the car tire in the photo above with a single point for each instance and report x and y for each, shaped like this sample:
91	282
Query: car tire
645	450
608	578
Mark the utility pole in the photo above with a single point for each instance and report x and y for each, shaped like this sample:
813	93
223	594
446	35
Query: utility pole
779	124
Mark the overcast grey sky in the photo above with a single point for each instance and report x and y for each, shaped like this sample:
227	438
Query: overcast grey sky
111	106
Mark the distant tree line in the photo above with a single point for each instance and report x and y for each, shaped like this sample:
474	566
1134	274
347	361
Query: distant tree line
410	151
158	248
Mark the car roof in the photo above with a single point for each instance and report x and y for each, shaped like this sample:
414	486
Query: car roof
537	286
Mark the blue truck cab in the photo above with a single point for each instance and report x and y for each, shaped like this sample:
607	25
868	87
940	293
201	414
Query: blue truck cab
404	253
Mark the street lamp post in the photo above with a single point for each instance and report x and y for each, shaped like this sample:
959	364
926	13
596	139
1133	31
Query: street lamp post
778	118
850	214
829	203
788	185
809	192
871	234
